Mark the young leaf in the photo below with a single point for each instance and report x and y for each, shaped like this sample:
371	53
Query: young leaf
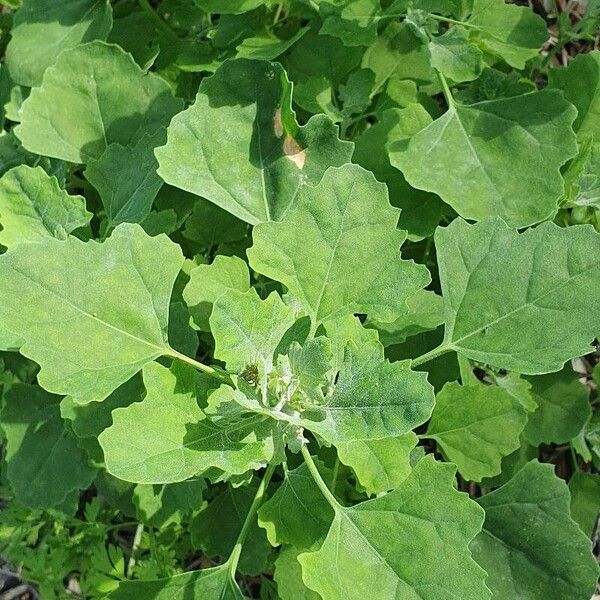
216	583
530	546
454	56
33	207
42	29
372	400
500	157
209	282
562	410
371	546
514	33
519	301
167	438
580	83
349	260
253	172
476	426
297	514
93	96
288	575
44	462
380	465
247	330
352	21
126	178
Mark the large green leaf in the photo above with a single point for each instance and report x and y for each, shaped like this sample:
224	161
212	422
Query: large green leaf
95	313
44	463
167	438
239	145
33	207
530	546
210	584
288	575
393	544
514	33
476	426
338	250
93	96
562	410
42	29
500	157
519	301
580	83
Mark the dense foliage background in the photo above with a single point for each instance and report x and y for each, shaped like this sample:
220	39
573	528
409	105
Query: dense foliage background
162	396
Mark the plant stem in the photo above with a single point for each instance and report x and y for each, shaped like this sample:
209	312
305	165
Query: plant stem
158	20
137	538
446	89
234	557
334	476
424	358
453	21
310	463
212	371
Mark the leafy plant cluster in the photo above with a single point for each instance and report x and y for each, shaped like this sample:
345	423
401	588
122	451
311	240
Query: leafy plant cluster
298	299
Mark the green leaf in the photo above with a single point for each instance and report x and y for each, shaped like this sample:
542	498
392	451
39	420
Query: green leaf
373	545
514	33
585	500
288	575
338	250
530	546
297	513
81	107
215	529
519	301
44	463
209	282
580	83
454	56
109	306
33	207
126	178
500	157
42	29
476	426
210	584
352	21
380	465
421	211
425	312
366	403
562	410
255	171
167	438
247	330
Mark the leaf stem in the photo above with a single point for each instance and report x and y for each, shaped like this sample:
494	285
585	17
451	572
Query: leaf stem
310	463
453	21
212	371
334	475
424	358
446	89
234	557
137	538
